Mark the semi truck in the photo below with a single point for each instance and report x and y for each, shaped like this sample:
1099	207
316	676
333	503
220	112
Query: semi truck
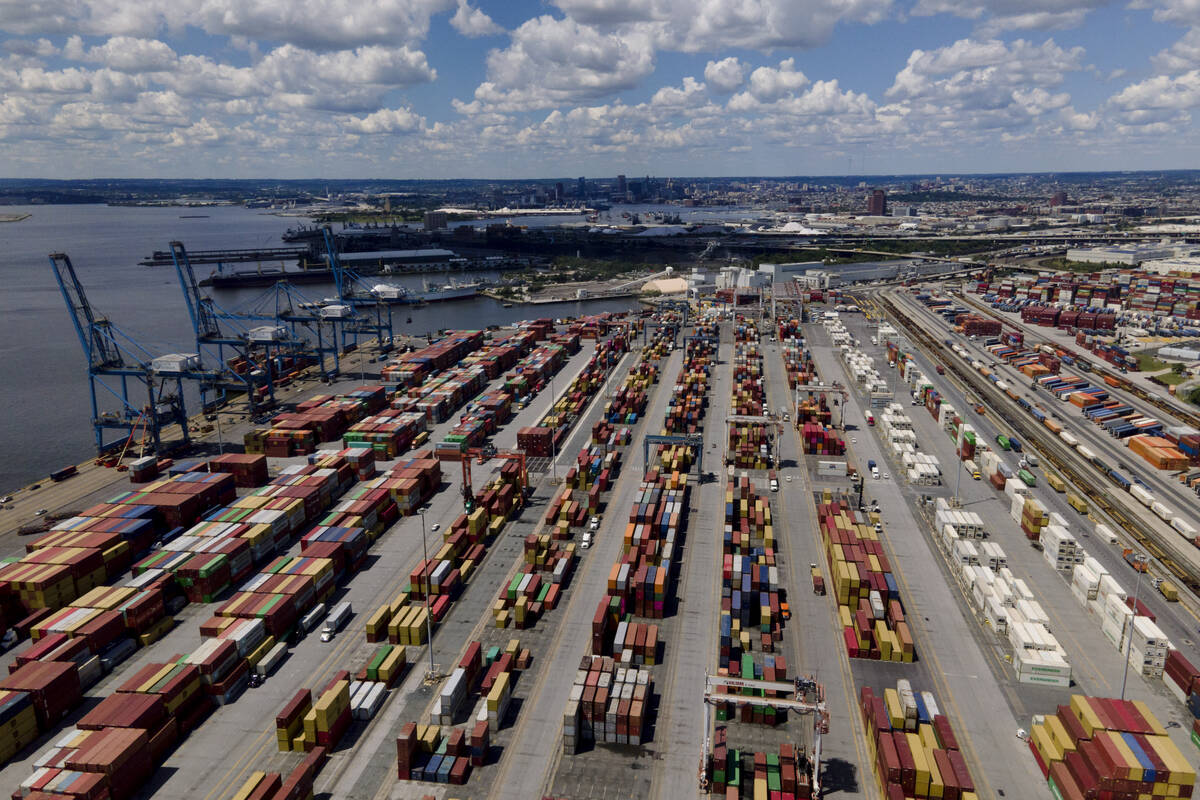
336	619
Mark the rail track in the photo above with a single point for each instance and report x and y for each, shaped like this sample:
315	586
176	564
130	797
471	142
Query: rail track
1049	448
1182	414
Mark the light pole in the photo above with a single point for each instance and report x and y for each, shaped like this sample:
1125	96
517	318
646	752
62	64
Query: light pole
425	588
1139	558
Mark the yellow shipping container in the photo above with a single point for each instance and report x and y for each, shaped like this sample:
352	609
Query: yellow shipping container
937	788
1182	773
417	628
1148	715
928	738
1083	712
1044	743
1058	732
377	623
249	786
260	652
393	664
920	765
500	689
891	699
1132	764
885	644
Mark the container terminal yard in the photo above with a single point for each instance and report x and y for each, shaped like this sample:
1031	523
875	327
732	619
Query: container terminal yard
774	550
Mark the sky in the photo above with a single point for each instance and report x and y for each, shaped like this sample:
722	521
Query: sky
564	88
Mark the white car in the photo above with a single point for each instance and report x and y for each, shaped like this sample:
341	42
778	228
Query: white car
853	440
885	476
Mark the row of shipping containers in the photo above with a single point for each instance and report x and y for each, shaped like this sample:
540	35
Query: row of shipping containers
913	748
1098	747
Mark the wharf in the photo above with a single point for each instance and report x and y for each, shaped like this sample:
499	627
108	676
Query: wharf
958	658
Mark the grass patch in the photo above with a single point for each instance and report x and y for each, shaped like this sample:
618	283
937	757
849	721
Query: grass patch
1149	363
1171	379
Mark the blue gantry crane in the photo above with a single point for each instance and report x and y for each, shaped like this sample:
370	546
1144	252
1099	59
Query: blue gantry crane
354	291
260	348
117	365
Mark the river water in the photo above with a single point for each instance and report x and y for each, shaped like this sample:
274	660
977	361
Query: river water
45	416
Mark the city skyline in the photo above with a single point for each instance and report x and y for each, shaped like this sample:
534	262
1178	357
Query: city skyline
447	89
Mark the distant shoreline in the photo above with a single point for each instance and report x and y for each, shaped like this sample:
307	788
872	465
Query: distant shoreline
14	217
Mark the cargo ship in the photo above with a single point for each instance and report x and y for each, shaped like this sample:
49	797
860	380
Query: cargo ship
400	295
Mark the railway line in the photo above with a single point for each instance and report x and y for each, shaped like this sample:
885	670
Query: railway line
1173	410
1171	556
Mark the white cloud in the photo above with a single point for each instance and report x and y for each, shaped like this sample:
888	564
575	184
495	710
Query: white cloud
552	61
977	68
986	90
124	53
704	25
1161	92
317	24
1182	55
611	12
1013	15
386	120
691	93
768	84
473	22
1178	12
1034	21
725	75
42	48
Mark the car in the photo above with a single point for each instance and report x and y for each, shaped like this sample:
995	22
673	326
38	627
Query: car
41	511
256	680
8	498
885	476
594	524
853	440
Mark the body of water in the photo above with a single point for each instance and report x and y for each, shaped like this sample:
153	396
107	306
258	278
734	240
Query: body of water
43	380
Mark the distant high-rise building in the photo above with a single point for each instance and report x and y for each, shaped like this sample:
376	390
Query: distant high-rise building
621	187
559	191
1059	199
581	188
877	204
435	220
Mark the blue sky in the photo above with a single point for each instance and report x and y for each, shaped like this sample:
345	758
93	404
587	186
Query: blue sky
546	88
